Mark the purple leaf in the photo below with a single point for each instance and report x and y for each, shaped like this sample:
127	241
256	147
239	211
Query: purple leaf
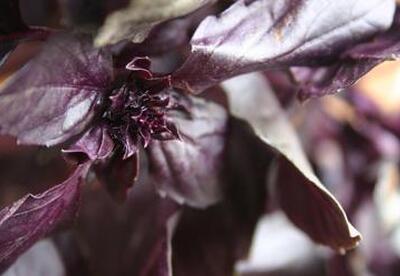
354	63
34	216
301	195
129	239
96	144
187	170
264	34
11	27
210	241
53	97
118	174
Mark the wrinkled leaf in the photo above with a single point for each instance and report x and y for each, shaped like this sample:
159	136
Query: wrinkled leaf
188	170
300	193
34	216
354	63
136	21
53	97
264	34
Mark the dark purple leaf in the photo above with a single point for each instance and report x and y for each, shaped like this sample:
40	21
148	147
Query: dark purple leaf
34	216
29	170
128	239
264	34
188	170
11	27
53	97
95	144
301	195
211	241
118	174
353	64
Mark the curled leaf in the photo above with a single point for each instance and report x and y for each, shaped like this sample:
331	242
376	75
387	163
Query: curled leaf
264	34
300	193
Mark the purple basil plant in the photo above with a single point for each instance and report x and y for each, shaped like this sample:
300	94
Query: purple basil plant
163	129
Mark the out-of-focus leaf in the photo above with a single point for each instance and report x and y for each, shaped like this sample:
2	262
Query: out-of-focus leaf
188	170
300	193
387	196
264	34
128	239
118	174
136	21
352	65
13	29
10	24
279	248
30	170
42	259
34	216
210	241
88	15
53	97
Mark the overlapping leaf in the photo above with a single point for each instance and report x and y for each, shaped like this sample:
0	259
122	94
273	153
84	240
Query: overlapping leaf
264	34
300	193
53	97
188	170
353	64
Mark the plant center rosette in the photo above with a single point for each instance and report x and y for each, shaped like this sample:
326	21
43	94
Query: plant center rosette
132	114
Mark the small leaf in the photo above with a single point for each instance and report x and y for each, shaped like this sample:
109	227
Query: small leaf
187	170
136	21
96	144
264	34
34	216
53	97
300	193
